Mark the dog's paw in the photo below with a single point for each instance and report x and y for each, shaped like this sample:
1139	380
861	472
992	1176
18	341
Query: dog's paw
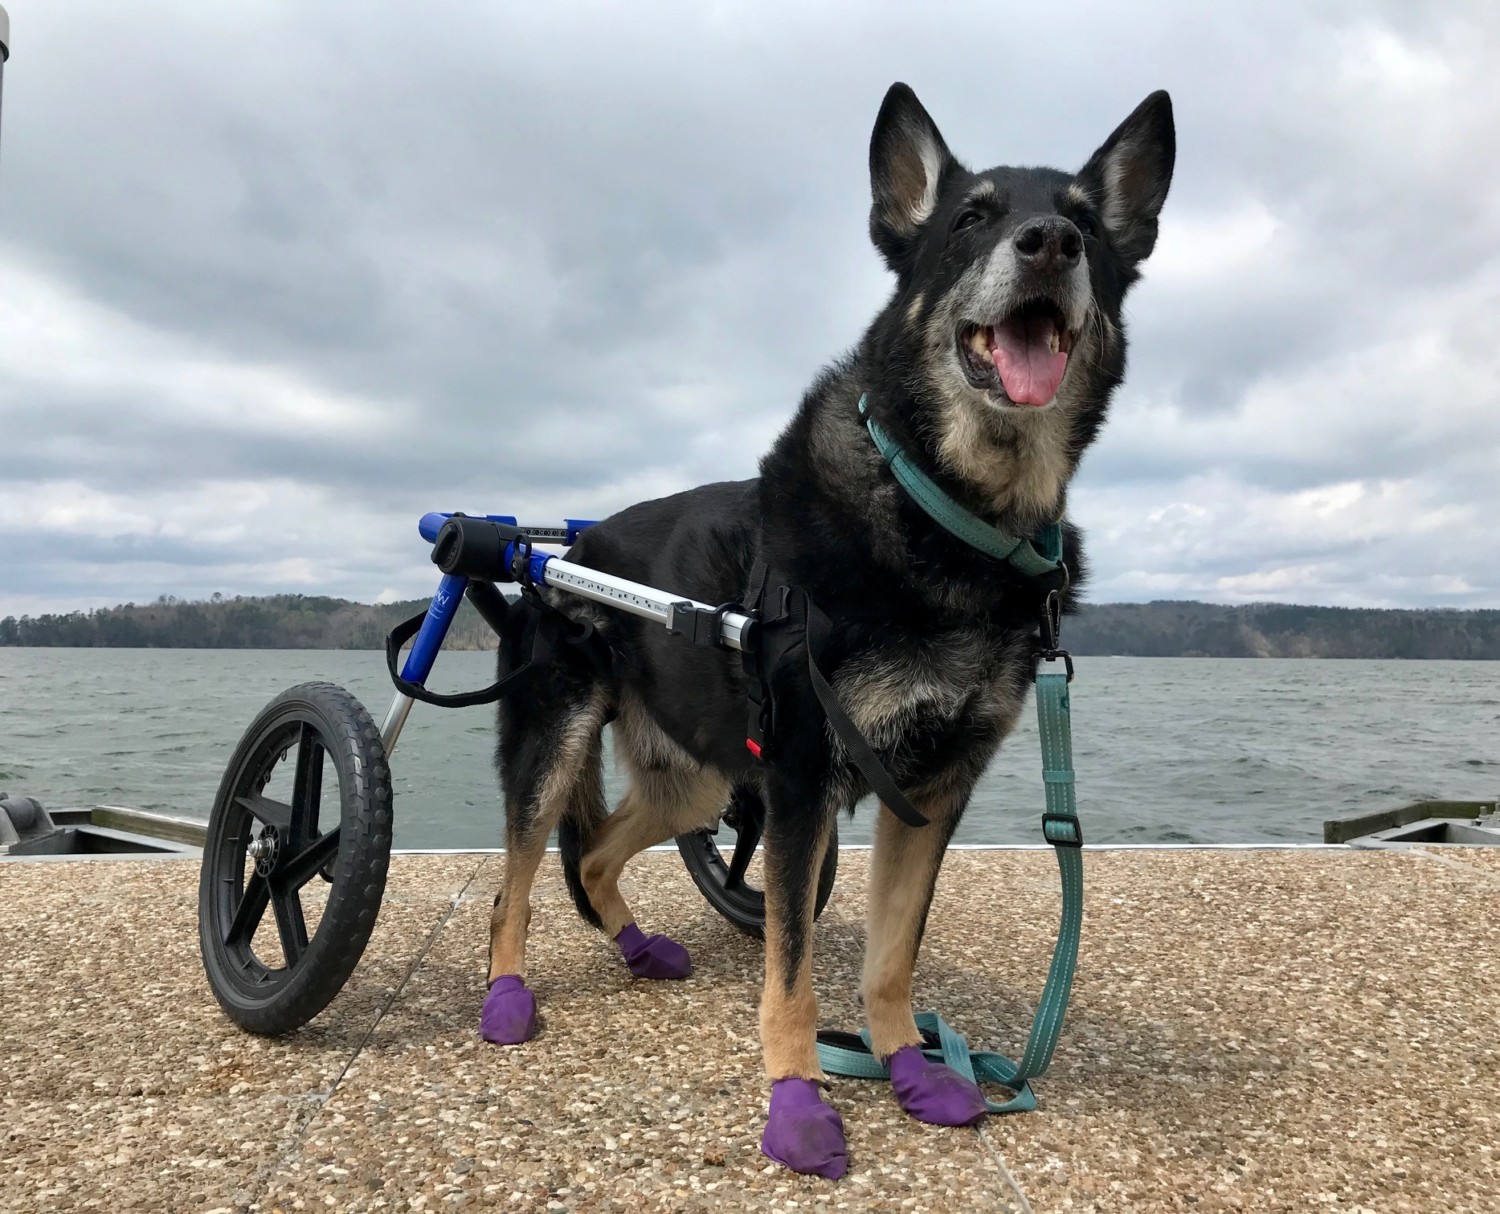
653	956
509	1013
932	1092
803	1133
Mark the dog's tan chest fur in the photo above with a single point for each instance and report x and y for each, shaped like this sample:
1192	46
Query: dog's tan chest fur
887	690
1021	475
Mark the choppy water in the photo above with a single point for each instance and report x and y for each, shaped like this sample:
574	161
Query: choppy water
1167	750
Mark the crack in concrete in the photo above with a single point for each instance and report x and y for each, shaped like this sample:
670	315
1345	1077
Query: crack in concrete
1473	870
1021	1205
261	1182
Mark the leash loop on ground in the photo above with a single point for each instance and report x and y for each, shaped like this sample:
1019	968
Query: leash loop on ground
843	1054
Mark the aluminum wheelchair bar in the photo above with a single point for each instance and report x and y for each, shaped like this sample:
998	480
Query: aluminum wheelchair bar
644	601
395	721
549	570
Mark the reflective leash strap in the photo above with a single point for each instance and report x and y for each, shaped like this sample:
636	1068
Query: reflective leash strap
1060	827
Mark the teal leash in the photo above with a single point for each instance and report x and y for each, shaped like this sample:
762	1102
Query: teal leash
1061	828
1060	825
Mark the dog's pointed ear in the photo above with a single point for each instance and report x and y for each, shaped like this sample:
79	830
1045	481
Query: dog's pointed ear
1129	175
907	161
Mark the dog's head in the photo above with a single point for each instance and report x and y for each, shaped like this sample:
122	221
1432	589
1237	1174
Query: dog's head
1010	281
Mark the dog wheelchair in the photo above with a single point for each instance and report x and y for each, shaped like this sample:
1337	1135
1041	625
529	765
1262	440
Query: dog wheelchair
263	851
272	973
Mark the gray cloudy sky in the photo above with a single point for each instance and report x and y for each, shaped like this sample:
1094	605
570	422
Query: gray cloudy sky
275	278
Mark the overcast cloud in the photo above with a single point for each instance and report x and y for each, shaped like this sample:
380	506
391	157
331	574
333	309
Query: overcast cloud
277	278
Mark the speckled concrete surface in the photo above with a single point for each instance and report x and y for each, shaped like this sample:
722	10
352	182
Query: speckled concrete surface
1484	858
1255	1031
124	1085
1273	1031
637	1095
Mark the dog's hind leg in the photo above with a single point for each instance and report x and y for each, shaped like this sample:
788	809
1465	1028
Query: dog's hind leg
903	875
661	803
546	773
801	1131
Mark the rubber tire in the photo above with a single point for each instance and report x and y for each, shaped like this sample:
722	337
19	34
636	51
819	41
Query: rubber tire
351	741
745	907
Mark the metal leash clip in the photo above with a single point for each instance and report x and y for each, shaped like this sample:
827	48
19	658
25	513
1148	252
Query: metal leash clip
1052	631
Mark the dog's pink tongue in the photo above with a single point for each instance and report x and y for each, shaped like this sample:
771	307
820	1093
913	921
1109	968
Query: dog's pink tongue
1022	350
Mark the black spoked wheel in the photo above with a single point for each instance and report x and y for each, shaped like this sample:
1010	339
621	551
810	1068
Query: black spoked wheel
721	861
295	861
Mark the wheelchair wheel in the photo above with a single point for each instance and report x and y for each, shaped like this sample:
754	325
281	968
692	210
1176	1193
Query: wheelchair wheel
307	795
728	884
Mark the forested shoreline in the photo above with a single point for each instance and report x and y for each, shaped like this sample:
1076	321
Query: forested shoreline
277	621
1159	629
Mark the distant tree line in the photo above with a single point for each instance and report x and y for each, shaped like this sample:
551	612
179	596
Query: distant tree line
278	621
1281	630
1161	629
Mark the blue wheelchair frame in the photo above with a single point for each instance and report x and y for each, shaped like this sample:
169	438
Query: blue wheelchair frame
520	559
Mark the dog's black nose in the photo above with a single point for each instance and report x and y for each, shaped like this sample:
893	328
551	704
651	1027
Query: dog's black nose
1048	241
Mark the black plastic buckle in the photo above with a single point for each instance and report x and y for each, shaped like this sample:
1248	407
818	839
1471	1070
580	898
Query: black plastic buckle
700	625
1073	836
758	718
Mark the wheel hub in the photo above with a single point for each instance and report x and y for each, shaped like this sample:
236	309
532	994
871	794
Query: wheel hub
265	849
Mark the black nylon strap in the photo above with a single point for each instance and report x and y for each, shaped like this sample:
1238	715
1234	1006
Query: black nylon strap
538	641
864	758
779	624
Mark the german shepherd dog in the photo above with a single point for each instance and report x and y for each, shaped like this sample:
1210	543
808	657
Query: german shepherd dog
991	365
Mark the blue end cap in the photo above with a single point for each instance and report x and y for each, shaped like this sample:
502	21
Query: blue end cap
431	524
538	566
508	519
575	525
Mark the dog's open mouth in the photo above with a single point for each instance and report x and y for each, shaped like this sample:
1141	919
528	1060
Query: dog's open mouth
1023	355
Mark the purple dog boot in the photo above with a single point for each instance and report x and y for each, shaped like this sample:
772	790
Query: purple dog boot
932	1092
509	1013
803	1133
653	956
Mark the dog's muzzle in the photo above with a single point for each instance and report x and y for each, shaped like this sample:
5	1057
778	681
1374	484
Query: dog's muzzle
1023	352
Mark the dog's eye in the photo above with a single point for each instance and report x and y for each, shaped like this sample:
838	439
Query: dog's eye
967	219
1086	226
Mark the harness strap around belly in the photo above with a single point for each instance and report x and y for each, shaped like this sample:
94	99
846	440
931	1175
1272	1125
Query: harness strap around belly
819	629
845	1054
797	620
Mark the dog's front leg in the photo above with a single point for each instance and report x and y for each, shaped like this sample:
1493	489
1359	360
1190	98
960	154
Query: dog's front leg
801	1131
903	875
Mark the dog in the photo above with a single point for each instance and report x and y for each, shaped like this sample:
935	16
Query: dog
992	366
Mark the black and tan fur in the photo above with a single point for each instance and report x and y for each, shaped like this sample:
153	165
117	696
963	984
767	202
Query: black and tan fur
935	644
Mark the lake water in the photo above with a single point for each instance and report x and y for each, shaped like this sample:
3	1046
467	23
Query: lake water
1178	750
